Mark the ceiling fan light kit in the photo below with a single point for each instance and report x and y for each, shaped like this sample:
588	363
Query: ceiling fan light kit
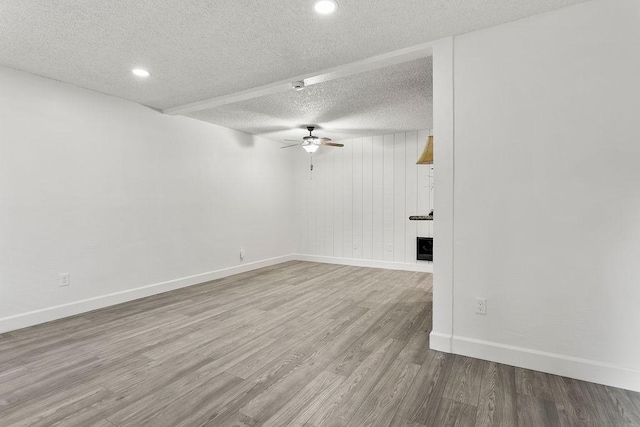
311	143
310	148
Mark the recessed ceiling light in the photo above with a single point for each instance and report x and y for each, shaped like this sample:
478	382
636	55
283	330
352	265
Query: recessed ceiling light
325	7
140	72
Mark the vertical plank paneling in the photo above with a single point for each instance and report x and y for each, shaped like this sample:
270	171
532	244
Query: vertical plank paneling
303	197
367	199
357	198
338	185
377	150
430	190
399	196
358	203
313	208
423	187
347	200
411	195
327	181
388	199
318	192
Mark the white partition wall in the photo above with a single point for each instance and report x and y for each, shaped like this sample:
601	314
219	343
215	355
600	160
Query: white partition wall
443	121
541	156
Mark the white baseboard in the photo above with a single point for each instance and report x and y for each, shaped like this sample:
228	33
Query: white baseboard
552	363
423	266
48	314
440	342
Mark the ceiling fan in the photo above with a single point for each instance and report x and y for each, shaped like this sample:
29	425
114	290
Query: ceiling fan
311	143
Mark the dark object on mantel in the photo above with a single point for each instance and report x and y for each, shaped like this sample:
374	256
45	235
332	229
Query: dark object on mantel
422	217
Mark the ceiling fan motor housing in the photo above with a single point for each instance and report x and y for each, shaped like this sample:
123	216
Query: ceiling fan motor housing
310	139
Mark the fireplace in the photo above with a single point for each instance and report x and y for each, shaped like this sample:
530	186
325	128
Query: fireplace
425	249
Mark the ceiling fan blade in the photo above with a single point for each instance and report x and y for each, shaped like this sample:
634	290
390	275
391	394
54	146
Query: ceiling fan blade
291	140
325	139
292	145
332	144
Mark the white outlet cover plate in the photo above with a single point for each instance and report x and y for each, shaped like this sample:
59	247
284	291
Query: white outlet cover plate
481	305
63	279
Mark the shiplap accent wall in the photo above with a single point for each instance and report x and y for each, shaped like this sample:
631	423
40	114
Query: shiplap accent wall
356	203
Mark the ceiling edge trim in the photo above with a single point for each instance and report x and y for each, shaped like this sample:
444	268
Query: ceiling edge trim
369	64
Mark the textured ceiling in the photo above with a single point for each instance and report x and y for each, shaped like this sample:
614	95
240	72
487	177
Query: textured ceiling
200	49
388	100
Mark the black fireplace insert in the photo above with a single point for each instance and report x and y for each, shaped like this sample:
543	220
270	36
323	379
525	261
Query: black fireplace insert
425	248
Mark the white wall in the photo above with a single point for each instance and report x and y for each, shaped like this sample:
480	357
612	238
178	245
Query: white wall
546	192
440	337
356	208
122	197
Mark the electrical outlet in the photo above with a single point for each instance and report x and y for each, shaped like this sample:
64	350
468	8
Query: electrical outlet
241	253
64	280
481	305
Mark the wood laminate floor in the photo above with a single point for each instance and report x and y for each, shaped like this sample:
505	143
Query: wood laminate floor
298	344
